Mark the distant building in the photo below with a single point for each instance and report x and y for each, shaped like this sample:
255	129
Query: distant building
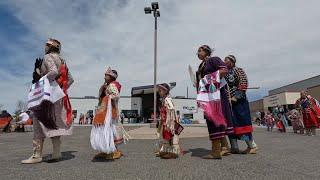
314	91
285	99
287	95
307	84
140	105
256	106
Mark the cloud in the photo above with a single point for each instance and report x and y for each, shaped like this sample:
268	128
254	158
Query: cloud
275	42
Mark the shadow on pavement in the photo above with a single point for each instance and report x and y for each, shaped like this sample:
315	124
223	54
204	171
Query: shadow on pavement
65	156
103	157
102	160
199	152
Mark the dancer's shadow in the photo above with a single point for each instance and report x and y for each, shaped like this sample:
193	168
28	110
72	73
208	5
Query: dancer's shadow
103	157
67	155
102	160
199	152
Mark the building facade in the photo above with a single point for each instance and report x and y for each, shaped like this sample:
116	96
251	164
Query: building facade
287	95
132	108
139	106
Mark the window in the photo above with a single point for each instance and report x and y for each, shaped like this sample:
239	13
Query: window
188	116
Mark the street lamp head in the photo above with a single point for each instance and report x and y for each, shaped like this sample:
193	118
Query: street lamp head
147	10
155	5
157	13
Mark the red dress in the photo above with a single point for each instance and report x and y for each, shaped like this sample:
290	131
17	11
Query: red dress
280	125
310	112
166	134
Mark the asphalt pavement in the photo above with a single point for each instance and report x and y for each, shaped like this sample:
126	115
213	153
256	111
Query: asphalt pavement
280	156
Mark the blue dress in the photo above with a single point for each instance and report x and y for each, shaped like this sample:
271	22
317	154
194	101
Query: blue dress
241	119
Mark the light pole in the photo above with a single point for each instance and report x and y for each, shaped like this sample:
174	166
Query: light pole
156	13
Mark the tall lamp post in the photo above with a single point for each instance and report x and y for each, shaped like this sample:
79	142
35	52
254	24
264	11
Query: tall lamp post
156	13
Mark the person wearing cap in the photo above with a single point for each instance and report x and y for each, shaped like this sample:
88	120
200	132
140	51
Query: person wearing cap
217	133
106	133
238	84
52	120
169	138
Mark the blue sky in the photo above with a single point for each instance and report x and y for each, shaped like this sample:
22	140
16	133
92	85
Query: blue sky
11	27
276	42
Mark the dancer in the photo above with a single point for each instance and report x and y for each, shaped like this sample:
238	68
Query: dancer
296	120
269	121
169	127
238	84
310	112
217	111
107	133
51	120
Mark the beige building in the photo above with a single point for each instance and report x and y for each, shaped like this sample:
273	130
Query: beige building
287	95
287	99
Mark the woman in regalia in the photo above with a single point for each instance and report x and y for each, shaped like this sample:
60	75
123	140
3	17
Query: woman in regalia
107	133
51	120
310	112
295	117
217	131
241	119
